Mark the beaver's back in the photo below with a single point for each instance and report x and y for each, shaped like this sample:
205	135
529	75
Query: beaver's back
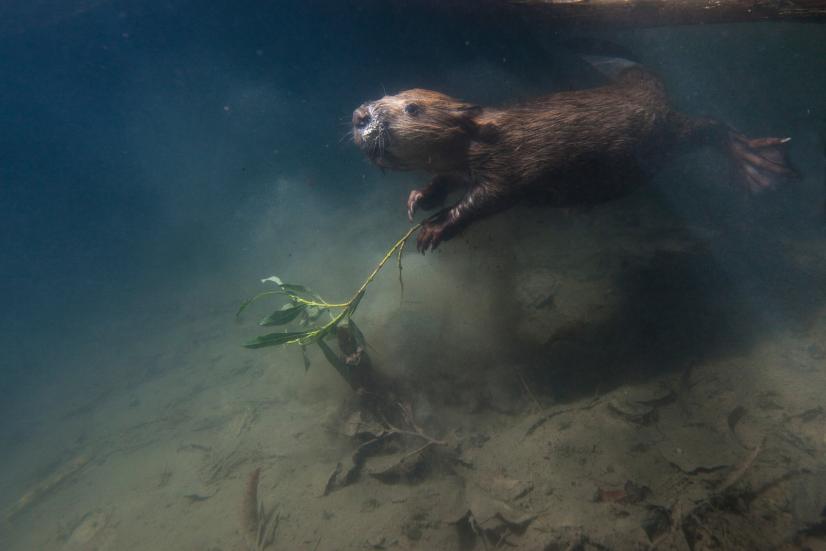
570	139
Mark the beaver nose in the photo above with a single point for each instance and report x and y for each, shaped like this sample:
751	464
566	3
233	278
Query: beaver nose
361	117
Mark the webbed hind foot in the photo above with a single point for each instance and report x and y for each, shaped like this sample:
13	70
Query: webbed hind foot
762	162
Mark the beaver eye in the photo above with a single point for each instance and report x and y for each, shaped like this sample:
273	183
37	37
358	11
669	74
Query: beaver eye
412	109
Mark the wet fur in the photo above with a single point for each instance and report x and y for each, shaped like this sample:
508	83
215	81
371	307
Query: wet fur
566	149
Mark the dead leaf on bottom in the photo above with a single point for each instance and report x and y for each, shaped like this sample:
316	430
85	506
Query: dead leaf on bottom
347	472
400	467
362	427
506	488
488	518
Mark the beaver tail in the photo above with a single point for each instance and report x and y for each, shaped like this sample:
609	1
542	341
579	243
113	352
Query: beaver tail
607	58
610	67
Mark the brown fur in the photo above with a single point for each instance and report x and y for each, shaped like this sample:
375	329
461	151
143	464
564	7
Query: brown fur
571	148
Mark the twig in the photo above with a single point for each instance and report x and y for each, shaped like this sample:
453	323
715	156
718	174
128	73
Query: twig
258	525
416	451
478	530
738	473
502	539
529	392
417	430
268	536
250	508
544	419
401	281
678	516
331	480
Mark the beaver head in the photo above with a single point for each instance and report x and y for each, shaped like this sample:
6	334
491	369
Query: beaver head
416	129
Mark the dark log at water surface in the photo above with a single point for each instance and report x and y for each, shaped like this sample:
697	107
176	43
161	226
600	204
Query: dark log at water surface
649	13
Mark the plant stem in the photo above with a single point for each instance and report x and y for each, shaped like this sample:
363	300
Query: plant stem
350	306
399	244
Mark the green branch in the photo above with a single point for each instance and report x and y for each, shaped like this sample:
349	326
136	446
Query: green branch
306	306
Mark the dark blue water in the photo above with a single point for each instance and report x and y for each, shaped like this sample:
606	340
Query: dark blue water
157	159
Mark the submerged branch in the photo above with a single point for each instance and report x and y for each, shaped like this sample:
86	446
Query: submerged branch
293	293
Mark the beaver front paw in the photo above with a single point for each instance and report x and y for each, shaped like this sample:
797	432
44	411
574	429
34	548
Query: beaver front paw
430	236
440	227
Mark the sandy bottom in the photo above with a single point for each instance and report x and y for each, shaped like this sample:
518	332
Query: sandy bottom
595	383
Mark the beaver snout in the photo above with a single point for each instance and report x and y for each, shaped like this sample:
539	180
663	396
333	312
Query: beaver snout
361	117
366	127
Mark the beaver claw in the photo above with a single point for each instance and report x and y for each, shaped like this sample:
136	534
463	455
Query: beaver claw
413	201
431	234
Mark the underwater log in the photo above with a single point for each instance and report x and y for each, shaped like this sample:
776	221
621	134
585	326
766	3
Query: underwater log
652	13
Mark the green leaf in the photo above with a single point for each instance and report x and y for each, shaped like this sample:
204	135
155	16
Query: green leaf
291	288
276	339
342	368
253	299
306	358
281	317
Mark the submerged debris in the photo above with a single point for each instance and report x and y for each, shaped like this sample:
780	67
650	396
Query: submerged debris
489	519
630	494
400	451
258	525
47	485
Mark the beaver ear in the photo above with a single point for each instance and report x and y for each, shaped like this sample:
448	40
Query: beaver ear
482	132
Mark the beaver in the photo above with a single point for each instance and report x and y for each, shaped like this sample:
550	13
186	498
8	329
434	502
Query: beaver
566	149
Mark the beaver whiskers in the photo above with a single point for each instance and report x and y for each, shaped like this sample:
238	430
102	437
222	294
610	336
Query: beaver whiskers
378	146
